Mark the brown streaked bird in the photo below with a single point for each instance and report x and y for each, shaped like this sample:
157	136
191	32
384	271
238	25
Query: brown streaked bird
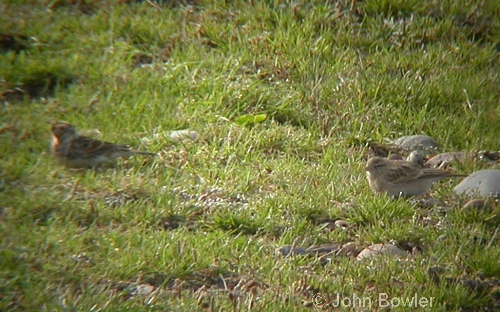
402	178
77	151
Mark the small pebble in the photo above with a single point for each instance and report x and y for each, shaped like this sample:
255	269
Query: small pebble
182	135
342	224
382	249
145	290
444	159
290	250
324	248
416	157
442	238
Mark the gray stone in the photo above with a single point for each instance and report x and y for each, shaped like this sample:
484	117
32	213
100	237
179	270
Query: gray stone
442	238
144	290
417	142
182	135
289	250
442	160
416	157
342	224
484	182
324	248
382	249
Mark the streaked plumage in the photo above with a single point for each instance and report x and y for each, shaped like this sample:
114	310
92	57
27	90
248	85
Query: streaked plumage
77	151
402	178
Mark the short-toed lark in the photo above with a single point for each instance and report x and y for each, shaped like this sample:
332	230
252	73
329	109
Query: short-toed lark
402	178
77	151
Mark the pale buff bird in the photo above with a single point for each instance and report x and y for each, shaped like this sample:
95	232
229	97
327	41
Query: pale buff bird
402	178
76	151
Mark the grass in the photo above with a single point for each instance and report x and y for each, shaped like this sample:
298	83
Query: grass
197	227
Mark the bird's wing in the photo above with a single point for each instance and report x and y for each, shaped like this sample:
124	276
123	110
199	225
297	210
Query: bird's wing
429	173
401	172
84	147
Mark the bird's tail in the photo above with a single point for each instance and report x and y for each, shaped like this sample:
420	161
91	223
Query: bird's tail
144	153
